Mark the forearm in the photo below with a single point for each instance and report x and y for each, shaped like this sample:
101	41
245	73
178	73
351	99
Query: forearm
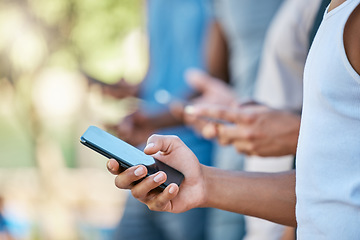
217	53
290	136
269	196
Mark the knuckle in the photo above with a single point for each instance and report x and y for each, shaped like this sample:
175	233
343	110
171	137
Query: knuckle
249	135
119	183
174	137
158	205
152	207
136	194
153	137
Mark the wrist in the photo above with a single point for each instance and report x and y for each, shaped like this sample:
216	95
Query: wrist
207	185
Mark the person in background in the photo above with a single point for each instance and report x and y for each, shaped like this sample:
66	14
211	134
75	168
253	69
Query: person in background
278	85
327	178
234	51
176	32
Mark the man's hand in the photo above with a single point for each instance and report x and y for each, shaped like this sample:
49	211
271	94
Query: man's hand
268	196
133	129
172	151
120	89
209	90
256	129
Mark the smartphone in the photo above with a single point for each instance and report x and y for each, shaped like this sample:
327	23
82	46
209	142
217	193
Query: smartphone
215	120
127	155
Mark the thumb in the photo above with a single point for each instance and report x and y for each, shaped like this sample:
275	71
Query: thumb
161	143
198	79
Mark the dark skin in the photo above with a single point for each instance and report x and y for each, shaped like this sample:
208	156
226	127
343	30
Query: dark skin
217	54
137	127
268	196
263	133
254	130
352	37
254	194
255	137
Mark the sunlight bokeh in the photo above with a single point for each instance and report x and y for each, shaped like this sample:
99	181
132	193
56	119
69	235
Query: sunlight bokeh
52	187
58	94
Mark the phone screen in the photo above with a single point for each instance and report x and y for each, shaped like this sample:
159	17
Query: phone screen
127	155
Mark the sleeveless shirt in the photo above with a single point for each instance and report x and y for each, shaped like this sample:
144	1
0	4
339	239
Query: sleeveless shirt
328	157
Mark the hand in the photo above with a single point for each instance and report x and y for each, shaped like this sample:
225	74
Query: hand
133	129
120	89
257	129
172	151
211	90
202	124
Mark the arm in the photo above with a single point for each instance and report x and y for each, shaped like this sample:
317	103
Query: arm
121	89
352	37
268	196
217	54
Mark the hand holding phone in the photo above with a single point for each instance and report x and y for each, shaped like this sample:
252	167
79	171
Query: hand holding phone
127	155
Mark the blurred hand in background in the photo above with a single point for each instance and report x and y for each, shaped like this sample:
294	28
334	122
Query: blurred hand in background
209	91
253	129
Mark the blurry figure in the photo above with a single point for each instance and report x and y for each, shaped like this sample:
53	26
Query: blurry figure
264	131
240	29
176	31
4	232
279	85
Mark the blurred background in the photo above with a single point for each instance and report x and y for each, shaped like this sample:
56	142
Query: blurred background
51	187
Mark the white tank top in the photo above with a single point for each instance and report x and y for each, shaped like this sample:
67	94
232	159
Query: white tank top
328	157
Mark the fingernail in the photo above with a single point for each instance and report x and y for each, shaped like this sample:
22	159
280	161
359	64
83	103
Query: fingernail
159	177
172	189
149	145
109	165
139	171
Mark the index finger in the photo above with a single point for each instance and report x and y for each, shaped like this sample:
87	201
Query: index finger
114	167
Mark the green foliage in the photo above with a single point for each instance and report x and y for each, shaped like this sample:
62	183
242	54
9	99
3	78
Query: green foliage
69	34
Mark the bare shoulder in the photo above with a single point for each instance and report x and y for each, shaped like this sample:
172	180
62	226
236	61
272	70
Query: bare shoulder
352	39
